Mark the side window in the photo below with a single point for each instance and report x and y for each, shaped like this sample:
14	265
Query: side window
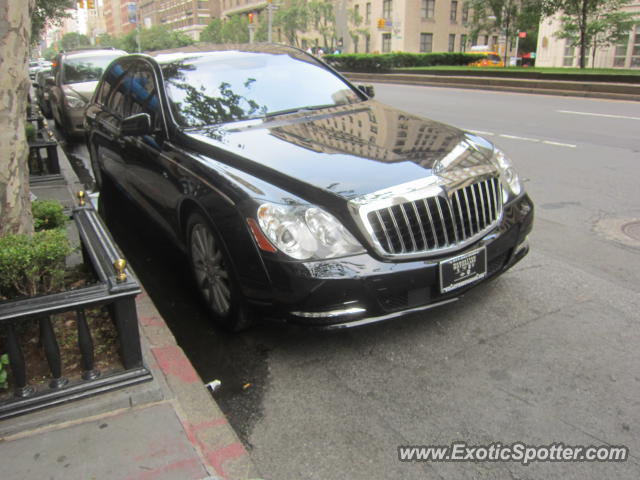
110	78
116	87
144	94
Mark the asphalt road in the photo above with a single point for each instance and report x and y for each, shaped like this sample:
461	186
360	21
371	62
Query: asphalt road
546	353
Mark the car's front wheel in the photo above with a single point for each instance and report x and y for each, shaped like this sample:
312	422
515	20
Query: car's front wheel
214	277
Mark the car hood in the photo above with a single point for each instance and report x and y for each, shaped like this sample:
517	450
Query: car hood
348	151
83	90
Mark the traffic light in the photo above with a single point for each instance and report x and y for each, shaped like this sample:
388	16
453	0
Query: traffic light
91	4
381	23
251	17
81	4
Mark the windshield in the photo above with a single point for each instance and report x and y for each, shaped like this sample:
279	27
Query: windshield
221	87
85	68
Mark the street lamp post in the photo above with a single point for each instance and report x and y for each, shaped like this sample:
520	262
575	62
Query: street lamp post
271	7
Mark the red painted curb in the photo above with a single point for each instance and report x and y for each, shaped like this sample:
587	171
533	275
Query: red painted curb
174	363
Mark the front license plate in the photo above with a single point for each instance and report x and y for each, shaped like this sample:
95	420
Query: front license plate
462	270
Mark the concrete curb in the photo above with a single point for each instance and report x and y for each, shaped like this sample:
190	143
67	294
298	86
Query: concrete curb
204	423
604	90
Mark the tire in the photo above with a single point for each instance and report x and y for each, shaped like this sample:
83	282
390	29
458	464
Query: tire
214	276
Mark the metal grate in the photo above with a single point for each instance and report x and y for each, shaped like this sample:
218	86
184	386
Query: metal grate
436	223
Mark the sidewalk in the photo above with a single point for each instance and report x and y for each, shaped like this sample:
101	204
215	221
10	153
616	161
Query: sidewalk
169	428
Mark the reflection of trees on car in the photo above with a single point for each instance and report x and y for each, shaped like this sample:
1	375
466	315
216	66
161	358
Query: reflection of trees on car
198	109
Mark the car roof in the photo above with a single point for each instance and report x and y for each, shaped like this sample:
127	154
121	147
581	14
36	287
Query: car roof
93	53
171	55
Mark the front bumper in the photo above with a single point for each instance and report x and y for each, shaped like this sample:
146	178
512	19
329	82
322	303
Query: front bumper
360	289
74	118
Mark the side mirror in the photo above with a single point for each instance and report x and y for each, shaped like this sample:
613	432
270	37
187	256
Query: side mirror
368	90
138	124
50	82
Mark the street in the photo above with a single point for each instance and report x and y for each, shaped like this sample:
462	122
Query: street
548	353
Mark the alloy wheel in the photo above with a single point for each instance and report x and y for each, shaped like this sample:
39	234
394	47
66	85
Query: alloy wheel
210	269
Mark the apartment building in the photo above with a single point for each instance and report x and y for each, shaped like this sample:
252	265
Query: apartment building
187	16
410	26
383	25
555	52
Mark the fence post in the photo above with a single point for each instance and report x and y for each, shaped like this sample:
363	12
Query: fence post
126	318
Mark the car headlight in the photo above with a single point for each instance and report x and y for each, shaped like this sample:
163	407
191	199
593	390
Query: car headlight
74	102
508	175
306	232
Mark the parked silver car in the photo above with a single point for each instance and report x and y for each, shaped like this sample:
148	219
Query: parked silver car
76	75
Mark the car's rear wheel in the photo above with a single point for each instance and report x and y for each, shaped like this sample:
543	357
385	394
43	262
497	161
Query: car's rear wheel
214	277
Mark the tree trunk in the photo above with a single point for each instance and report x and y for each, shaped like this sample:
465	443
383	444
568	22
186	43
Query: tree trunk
583	33
15	39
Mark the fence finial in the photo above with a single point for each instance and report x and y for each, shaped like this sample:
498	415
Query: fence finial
120	265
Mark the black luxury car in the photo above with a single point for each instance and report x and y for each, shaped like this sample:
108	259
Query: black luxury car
298	196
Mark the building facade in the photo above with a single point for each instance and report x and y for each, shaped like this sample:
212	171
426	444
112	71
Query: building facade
410	26
368	26
187	16
556	52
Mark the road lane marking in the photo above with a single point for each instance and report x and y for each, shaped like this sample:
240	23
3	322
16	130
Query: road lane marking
515	137
605	115
524	139
480	132
559	144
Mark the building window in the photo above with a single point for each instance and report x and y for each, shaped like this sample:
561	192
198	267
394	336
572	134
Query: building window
635	52
356	40
569	55
465	13
494	42
427	8
426	42
386	42
367	43
620	58
386	9
452	42
454	11
367	13
463	43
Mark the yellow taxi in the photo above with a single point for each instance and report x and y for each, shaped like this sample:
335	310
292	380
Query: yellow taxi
490	58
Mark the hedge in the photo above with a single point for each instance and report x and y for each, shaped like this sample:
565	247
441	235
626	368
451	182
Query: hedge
369	62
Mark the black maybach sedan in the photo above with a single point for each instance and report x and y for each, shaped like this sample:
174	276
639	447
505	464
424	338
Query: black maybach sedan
295	194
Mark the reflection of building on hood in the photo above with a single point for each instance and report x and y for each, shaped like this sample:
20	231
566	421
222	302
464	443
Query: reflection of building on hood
366	131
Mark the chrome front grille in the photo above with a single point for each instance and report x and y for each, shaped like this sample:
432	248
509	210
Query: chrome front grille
437	223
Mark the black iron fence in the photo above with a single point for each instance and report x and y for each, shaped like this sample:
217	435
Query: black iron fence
114	291
43	149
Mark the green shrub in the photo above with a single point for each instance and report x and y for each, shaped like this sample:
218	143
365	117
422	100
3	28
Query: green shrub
48	214
30	131
4	361
369	62
33	265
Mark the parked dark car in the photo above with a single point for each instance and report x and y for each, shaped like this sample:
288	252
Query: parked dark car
75	77
296	195
41	89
